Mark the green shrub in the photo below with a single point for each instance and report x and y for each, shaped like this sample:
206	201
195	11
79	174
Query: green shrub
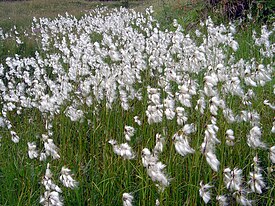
262	10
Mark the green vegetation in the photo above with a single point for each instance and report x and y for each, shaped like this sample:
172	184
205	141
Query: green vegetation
53	71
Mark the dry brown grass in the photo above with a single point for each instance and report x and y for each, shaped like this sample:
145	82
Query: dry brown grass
21	13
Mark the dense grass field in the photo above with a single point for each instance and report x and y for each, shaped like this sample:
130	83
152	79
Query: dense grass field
114	106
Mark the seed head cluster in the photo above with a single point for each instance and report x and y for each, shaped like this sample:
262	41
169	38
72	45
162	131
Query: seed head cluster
175	99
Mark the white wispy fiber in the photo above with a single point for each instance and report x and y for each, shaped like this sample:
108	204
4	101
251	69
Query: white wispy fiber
250	116
254	138
181	143
2	36
184	96
273	126
154	169
210	83
127	199
154	114
247	97
216	103
256	181
48	182
14	137
211	132
212	160
182	116
201	104
241	197
188	129
74	114
137	120
229	115
50	148
233	86
124	150
157	202
263	40
272	154
266	102
129	132
86	76
74	74
51	196
230	137
67	179
2	122
32	151
154	110
148	158
233	179
169	105
222	200
159	144
204	192
209	143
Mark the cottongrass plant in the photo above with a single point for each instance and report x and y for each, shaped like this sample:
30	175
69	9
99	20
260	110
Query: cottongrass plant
114	76
127	199
204	192
52	194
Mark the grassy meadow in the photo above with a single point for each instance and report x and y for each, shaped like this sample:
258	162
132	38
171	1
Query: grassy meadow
162	105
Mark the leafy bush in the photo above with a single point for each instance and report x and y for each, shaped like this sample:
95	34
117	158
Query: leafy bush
262	10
